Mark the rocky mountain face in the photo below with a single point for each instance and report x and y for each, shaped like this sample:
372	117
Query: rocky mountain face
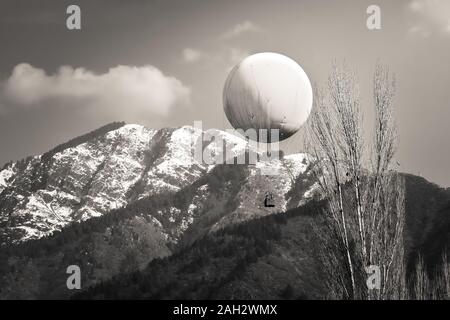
115	199
140	215
119	167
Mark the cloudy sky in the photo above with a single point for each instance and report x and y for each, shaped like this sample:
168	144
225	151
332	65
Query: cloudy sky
164	63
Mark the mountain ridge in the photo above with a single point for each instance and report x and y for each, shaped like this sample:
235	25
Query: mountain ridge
118	165
125	203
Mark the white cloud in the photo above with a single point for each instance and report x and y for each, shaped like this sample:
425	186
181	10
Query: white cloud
241	28
431	16
227	57
123	90
193	55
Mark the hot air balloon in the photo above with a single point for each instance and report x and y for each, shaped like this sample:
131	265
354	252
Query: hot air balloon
268	91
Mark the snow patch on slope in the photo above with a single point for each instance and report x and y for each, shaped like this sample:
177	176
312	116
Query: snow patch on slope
6	175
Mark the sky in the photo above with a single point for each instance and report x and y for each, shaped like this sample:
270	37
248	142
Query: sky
164	64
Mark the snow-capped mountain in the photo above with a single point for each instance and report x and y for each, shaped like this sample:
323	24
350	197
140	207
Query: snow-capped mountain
125	199
112	169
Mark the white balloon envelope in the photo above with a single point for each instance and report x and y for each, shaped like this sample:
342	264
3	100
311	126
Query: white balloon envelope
268	91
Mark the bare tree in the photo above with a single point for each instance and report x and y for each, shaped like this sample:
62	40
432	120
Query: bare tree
344	94
324	145
385	193
365	206
437	286
446	274
383	147
386	248
421	280
445	278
